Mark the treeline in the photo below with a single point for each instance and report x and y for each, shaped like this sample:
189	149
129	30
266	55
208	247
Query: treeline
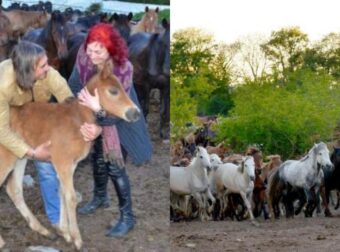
281	93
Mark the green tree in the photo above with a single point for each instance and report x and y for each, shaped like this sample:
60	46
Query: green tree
285	49
200	76
325	55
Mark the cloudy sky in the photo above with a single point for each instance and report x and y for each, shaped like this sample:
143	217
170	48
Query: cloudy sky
229	20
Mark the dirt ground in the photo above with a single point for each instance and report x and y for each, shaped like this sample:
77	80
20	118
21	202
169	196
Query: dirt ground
299	234
150	196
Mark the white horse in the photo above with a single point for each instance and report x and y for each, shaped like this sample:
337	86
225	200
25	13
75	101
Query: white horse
193	180
231	178
215	162
295	175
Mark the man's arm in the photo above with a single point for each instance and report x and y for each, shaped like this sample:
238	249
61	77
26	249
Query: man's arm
9	138
58	86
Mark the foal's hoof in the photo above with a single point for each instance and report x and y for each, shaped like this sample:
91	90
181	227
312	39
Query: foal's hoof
79	245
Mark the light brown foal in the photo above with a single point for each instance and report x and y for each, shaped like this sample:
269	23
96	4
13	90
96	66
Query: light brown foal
60	123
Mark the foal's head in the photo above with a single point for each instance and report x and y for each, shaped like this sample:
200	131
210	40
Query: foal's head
112	96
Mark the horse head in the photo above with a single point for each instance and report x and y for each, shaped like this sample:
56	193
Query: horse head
159	56
112	95
122	23
203	156
150	19
321	155
43	18
215	161
248	166
58	32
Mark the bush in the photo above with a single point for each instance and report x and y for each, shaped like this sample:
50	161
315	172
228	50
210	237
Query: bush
95	8
283	120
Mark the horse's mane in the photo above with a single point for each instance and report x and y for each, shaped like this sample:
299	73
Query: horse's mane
304	158
316	147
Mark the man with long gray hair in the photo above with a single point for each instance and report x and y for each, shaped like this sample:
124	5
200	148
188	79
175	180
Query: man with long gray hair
27	77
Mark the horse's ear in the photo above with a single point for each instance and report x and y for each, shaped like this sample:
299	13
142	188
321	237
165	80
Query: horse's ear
106	71
130	16
146	9
157	9
113	17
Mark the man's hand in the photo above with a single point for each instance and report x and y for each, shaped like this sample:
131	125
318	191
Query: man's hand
86	99
90	131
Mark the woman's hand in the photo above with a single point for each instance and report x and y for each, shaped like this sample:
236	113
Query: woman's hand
86	99
90	131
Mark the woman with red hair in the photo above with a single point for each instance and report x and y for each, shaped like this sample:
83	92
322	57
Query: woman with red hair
119	138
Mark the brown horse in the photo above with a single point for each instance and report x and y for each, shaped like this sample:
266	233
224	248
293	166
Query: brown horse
260	185
53	38
148	23
6	48
274	163
4	28
6	42
21	21
60	124
220	150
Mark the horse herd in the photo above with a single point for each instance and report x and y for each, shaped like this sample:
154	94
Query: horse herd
242	186
62	33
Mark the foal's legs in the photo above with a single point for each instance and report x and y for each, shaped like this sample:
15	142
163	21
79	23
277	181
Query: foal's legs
14	191
68	221
2	242
6	166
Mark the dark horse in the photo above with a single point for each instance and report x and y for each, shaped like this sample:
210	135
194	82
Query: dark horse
122	23
53	38
150	56
332	178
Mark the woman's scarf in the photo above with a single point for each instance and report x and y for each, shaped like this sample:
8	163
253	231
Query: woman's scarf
86	69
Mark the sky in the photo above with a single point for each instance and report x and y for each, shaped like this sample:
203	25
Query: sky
229	20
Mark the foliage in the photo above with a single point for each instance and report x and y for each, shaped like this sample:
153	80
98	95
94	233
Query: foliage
287	98
95	8
285	49
325	55
199	72
284	120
